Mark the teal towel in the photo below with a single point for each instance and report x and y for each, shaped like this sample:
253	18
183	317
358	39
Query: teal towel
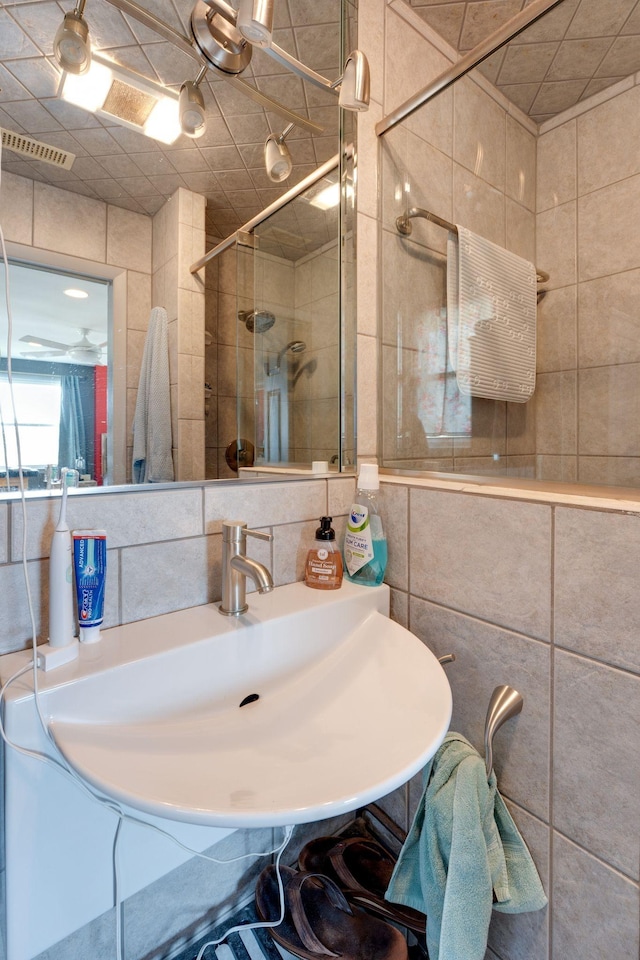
463	856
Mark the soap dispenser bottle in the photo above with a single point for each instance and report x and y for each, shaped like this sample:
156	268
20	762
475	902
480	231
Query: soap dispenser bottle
365	544
323	569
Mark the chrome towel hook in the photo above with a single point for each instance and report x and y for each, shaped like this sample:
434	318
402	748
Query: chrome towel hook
505	703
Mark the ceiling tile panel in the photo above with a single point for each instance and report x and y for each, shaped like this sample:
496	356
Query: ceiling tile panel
10	88
14	42
597	18
38	76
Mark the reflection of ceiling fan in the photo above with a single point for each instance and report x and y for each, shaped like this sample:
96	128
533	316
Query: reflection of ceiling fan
82	351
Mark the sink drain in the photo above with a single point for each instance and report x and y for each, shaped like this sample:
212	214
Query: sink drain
250	699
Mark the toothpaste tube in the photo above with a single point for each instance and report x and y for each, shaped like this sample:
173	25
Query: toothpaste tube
90	567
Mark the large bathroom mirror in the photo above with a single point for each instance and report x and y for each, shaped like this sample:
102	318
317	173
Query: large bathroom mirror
535	150
137	174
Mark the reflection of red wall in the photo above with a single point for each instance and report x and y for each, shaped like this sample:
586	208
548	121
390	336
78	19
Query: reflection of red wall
100	418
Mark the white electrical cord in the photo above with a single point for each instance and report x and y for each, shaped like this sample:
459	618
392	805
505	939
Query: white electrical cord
262	924
58	761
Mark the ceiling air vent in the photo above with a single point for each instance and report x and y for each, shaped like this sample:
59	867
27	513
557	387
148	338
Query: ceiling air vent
36	150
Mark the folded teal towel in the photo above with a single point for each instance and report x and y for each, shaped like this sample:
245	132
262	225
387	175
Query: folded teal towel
463	856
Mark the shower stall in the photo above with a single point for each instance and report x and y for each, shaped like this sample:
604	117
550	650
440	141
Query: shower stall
560	188
280	324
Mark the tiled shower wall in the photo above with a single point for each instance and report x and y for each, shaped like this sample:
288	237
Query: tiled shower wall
303	295
588	387
543	597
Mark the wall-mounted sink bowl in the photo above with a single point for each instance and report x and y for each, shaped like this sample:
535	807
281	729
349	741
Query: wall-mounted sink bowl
308	706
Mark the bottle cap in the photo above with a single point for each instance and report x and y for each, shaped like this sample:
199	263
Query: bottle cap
89	634
368	476
325	531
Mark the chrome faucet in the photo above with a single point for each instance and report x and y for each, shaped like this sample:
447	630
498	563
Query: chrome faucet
237	566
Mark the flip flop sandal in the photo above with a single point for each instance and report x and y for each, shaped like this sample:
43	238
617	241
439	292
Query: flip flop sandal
362	868
320	923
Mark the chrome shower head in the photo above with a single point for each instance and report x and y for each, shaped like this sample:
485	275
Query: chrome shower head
294	346
257	321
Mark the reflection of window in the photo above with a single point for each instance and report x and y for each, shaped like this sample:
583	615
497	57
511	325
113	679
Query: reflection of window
37	402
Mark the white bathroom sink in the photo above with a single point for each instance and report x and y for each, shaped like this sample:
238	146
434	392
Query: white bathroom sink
341	705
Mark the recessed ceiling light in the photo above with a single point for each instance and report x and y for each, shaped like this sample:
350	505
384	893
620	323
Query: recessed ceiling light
76	294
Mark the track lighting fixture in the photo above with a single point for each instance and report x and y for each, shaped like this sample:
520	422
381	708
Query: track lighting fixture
71	45
222	40
277	158
255	21
355	84
192	112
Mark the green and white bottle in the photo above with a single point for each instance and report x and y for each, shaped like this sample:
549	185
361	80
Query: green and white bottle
365	545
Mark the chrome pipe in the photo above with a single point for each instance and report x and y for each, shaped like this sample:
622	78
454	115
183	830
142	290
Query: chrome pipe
327	167
480	52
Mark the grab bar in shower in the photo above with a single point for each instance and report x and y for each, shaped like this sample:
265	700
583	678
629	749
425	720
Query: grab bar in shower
405	227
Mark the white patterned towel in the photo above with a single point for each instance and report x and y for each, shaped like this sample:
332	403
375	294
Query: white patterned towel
491	305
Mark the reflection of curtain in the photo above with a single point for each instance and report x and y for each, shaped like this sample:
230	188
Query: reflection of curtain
152	460
72	444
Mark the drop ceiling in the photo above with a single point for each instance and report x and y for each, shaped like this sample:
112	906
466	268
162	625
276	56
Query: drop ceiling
576	50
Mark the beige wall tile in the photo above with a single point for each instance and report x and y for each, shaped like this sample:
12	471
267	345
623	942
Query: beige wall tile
488	430
17	208
592	904
558	468
471	552
521	428
367	425
478	205
394	510
616	471
159	515
404	45
129	239
521	165
268	503
479	137
556	167
604	217
399	607
556	245
151	584
521	750
557	330
526	935
340	493
368	146
593	704
556	413
413	292
367	293
4	531
608	320
602	132
138	300
68	223
292	542
520	230
596	613
609	411
15	623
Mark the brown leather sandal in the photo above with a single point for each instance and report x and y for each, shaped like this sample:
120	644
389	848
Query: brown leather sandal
362	868
320	923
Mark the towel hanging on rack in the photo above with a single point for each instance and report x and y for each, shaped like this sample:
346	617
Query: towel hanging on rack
491	306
